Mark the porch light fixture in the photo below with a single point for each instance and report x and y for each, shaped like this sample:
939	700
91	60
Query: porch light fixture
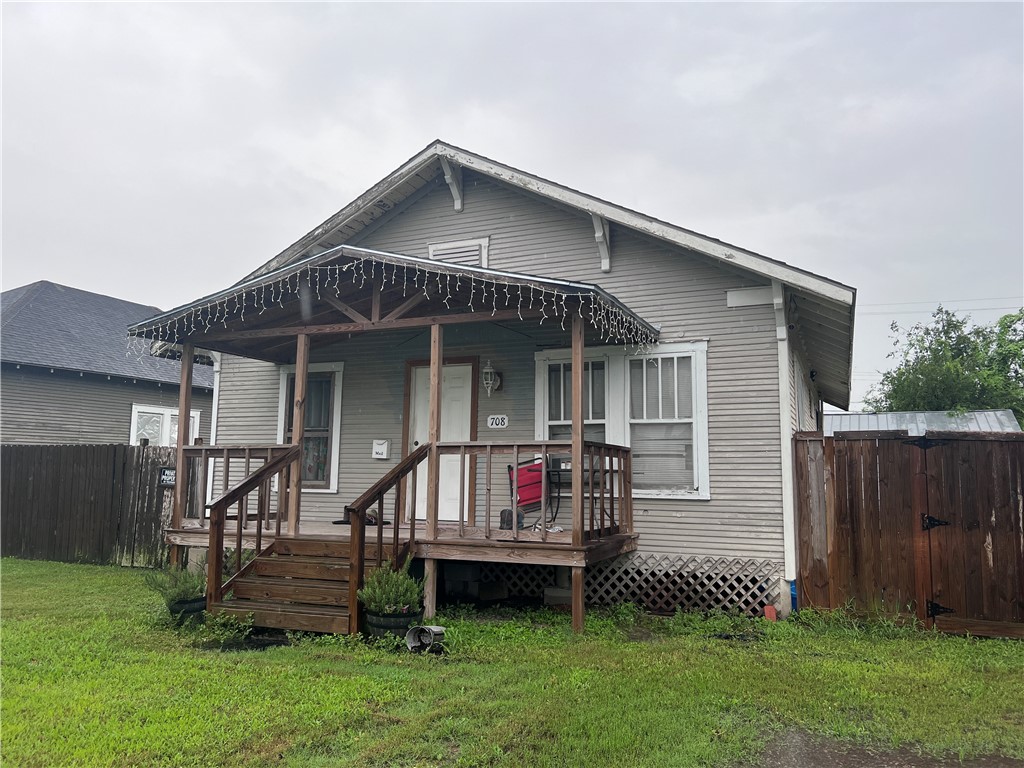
490	378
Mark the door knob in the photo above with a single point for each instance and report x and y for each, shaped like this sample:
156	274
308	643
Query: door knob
416	443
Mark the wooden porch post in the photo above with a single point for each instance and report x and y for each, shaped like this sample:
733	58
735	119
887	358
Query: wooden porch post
433	465
577	468
298	429
184	423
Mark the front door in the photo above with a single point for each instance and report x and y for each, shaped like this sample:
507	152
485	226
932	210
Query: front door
456	424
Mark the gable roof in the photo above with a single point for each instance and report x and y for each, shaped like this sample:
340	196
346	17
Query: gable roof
916	423
422	167
55	326
821	308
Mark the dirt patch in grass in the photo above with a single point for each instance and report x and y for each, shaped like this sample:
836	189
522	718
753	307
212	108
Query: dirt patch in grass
797	749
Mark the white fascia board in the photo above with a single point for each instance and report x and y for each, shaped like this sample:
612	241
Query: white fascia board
757	264
349	212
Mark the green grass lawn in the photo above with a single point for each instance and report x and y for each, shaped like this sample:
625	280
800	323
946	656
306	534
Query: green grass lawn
93	675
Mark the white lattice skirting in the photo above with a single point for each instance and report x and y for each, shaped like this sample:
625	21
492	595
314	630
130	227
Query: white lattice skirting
659	583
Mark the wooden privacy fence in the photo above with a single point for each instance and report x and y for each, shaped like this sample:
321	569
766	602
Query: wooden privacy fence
84	503
932	526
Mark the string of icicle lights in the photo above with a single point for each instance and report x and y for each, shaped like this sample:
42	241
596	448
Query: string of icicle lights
494	294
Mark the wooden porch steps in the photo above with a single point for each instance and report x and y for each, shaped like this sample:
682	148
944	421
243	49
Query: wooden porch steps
282	589
298	584
295	616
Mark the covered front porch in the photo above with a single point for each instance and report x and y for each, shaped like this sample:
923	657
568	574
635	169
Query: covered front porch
435	498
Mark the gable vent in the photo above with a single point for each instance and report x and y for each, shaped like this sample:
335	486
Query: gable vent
469	252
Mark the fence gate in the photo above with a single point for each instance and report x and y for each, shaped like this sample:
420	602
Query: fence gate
932	526
975	534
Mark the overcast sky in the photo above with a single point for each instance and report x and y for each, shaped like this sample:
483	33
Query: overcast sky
160	152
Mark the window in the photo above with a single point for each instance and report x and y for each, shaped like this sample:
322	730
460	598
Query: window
668	421
655	403
559	400
322	424
470	252
159	425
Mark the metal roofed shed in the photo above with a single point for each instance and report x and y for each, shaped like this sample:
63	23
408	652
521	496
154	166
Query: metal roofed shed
916	423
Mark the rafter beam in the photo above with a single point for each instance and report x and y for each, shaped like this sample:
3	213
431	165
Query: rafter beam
453	178
337	303
604	241
403	309
333	329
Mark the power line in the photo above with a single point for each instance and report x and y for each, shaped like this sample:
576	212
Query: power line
928	311
941	301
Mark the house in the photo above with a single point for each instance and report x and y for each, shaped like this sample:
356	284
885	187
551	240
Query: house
66	377
463	316
916	423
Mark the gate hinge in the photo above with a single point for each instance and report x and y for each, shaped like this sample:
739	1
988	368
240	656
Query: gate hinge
928	522
933	609
925	442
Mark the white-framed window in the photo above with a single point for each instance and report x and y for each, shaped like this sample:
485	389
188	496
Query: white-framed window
668	422
655	403
321	439
558	400
470	252
159	425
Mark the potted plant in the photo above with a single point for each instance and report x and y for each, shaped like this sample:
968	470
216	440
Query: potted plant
183	591
393	600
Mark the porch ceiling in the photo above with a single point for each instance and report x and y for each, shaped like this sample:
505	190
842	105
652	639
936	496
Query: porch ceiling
351	290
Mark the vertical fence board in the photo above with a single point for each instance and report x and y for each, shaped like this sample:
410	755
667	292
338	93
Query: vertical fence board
811	520
840	564
1015	467
890	511
817	524
870	590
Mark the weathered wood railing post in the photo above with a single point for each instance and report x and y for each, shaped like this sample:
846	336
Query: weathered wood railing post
215	556
433	465
298	429
577	468
356	566
181	465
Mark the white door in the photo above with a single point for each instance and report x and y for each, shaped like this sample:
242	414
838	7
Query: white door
456	414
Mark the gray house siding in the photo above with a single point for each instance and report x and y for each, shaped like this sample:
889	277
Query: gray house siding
683	293
62	407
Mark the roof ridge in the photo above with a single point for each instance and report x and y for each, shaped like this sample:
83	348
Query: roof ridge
31	289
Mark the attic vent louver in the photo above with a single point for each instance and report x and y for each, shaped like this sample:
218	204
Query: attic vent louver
469	252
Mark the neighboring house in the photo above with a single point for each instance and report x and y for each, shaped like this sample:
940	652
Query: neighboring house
68	375
701	358
916	423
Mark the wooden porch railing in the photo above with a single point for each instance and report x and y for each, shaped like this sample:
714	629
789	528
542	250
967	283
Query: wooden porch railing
200	469
399	479
607	506
261	482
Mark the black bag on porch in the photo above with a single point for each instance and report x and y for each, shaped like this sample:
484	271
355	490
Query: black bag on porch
506	520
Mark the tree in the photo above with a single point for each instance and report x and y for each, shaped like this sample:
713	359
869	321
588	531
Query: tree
950	365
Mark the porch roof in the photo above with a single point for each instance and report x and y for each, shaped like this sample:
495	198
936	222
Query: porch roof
376	290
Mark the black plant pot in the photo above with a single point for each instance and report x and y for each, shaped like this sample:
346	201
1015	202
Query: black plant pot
397	624
183	610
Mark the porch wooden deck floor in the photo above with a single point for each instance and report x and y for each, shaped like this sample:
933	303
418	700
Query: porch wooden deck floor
502	547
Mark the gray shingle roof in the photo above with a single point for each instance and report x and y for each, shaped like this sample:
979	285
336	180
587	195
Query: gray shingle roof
916	423
55	326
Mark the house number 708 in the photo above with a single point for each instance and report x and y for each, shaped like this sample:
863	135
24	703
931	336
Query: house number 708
497	422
